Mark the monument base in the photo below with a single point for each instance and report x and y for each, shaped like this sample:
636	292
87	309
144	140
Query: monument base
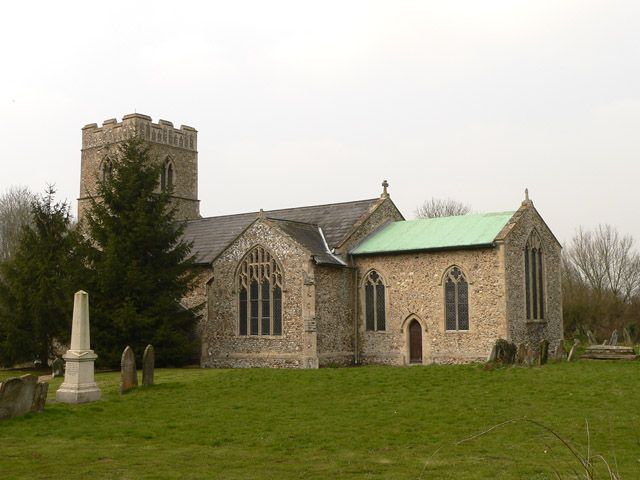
78	393
79	384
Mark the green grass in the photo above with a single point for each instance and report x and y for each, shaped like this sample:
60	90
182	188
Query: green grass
373	422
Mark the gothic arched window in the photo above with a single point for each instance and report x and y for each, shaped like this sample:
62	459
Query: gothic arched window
534	277
456	300
107	169
259	294
166	176
374	302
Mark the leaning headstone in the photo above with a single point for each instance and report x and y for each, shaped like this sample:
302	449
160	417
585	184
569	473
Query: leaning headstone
572	352
626	336
559	353
57	368
543	354
79	384
148	363
614	338
521	354
591	338
128	372
22	395
606	342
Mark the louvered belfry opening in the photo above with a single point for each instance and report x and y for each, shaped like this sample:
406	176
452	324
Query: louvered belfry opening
456	293
259	294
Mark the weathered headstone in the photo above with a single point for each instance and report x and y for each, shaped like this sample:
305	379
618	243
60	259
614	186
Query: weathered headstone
492	355
521	354
40	396
128	372
559	353
148	363
22	395
572	352
543	354
606	342
614	338
626	336
57	368
531	355
592	340
79	384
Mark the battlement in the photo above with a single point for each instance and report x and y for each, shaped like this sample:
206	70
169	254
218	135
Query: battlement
162	132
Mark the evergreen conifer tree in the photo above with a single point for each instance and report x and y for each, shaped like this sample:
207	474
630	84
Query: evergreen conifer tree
140	268
37	284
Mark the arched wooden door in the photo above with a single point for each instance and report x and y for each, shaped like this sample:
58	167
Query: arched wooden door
415	342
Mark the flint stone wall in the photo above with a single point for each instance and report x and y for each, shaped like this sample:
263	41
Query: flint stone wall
334	315
222	345
414	289
521	330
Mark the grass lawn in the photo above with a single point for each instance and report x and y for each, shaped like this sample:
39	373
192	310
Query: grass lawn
369	422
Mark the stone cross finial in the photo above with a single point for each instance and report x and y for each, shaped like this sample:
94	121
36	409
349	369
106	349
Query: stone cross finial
385	185
526	201
261	214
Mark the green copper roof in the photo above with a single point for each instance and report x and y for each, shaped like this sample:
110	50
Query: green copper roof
435	233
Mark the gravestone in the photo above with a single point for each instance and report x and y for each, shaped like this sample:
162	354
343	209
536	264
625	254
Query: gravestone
614	338
626	336
521	354
492	355
40	397
543	353
592	340
148	363
128	372
79	384
572	352
22	395
606	342
531	355
558	355
57	368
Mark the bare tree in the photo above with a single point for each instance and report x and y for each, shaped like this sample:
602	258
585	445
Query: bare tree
441	207
15	212
607	261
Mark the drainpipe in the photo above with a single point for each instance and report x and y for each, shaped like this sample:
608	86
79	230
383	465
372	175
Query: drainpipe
355	316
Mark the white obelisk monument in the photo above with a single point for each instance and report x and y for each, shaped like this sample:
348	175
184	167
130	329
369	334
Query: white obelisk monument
79	384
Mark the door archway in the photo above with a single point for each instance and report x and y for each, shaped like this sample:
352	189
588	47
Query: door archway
415	342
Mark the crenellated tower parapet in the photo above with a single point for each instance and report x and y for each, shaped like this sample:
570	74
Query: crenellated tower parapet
175	148
162	132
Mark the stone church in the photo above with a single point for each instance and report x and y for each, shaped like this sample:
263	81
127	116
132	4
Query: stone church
348	283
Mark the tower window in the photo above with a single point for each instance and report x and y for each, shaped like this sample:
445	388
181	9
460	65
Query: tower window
167	176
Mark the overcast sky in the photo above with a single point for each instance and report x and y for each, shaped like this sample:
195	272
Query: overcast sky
301	103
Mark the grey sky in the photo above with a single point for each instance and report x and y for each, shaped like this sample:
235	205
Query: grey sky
300	103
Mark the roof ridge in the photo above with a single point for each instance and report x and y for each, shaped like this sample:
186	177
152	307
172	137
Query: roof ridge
466	215
287	208
314	225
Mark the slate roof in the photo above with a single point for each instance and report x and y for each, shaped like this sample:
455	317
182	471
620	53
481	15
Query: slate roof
210	236
465	231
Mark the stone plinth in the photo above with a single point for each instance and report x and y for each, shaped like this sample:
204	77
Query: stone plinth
79	384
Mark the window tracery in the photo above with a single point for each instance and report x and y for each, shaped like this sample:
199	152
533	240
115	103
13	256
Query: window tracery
374	301
456	296
534	277
259	294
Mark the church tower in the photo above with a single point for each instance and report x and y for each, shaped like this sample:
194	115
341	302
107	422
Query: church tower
175	148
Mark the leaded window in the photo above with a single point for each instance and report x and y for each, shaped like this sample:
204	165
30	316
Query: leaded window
259	294
456	297
534	277
374	302
166	176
